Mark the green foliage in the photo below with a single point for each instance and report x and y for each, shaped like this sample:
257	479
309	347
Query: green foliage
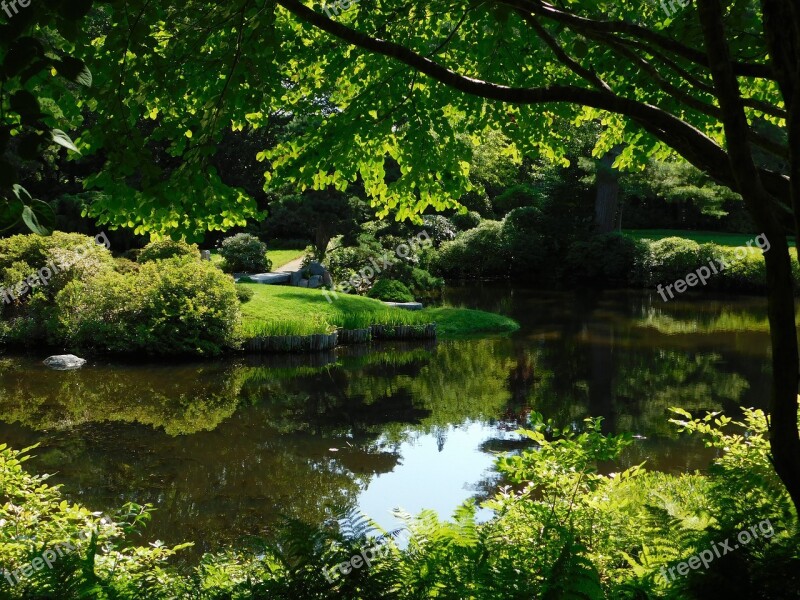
477	253
530	248
244	294
439	228
96	558
567	529
34	269
466	221
516	196
163	249
40	66
245	253
390	290
176	306
605	260
672	258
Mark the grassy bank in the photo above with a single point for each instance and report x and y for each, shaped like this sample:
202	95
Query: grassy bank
731	240
282	310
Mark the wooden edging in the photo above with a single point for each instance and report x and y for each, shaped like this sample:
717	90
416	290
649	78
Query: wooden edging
320	342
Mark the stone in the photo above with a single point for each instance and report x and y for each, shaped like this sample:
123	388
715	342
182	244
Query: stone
303	283
314	268
205	255
315	281
271	278
295	278
327	280
64	362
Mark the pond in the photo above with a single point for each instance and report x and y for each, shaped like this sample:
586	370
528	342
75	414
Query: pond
226	450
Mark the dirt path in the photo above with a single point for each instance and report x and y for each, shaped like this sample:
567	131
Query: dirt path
291	266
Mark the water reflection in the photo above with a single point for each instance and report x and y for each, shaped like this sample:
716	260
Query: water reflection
224	449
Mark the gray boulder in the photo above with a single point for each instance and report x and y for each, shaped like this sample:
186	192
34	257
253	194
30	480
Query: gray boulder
315	268
315	281
303	283
64	362
295	278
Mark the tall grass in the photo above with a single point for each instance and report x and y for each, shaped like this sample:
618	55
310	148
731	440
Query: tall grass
253	329
364	319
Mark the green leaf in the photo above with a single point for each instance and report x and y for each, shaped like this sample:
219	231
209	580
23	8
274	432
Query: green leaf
29	218
75	70
62	139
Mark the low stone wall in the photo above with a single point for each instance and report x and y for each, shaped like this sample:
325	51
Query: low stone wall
324	342
292	343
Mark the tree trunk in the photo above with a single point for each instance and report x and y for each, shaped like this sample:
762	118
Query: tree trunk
606	202
784	438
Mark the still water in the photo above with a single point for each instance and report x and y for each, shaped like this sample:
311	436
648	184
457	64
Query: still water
225	450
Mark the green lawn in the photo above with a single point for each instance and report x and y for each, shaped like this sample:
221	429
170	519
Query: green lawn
302	311
701	237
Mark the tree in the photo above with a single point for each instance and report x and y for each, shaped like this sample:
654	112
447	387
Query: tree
688	84
317	216
401	83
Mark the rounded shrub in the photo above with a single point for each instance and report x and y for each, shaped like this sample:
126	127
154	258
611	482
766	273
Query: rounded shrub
177	306
466	221
516	196
673	258
244	294
746	269
439	228
531	252
45	264
390	290
477	253
163	249
245	253
606	260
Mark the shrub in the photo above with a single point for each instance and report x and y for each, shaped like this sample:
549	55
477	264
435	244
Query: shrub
390	290
672	258
610	259
244	294
466	221
59	258
177	306
440	228
531	251
516	196
163	249
245	253
125	266
479	252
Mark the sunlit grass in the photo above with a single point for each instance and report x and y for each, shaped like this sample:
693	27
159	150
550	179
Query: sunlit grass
701	237
309	311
